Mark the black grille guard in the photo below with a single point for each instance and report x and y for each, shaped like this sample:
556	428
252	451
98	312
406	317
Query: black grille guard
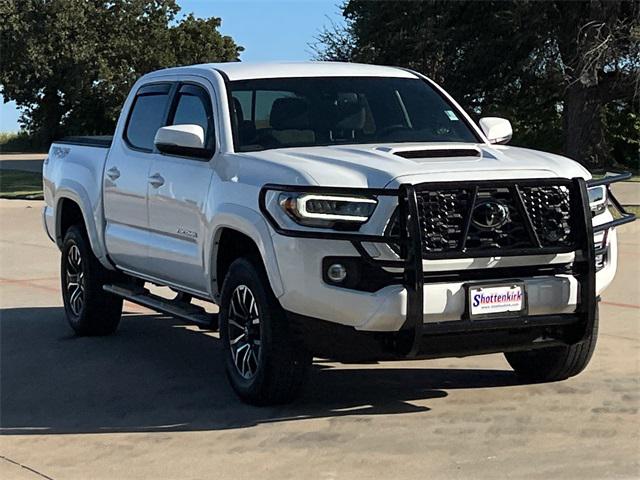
410	242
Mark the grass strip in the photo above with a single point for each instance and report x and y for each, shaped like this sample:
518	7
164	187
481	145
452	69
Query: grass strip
18	184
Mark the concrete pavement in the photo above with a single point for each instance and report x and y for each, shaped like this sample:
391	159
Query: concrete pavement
152	401
628	193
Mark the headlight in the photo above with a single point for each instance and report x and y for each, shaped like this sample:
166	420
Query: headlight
597	199
317	210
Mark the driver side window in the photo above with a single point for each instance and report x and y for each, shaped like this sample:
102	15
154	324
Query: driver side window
192	106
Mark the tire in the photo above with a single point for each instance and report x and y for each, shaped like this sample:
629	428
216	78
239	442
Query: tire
89	309
263	361
554	363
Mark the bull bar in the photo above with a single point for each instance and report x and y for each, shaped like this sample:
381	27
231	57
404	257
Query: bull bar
409	338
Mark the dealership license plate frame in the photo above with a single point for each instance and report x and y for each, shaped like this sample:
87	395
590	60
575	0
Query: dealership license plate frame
470	287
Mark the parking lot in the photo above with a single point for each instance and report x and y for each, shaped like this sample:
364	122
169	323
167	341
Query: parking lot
152	401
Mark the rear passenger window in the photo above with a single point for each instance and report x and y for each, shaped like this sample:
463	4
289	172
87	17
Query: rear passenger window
147	115
193	107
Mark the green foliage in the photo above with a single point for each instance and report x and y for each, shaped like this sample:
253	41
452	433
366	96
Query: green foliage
565	73
69	64
19	142
622	121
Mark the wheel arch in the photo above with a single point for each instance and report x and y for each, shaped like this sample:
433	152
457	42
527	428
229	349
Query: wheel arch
72	208
236	235
68	213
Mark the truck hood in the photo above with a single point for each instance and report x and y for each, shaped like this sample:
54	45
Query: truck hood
378	166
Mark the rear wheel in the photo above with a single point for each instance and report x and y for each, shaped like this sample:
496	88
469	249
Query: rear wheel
89	309
554	363
264	362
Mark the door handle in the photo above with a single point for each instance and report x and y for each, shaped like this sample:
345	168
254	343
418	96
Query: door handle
113	173
156	180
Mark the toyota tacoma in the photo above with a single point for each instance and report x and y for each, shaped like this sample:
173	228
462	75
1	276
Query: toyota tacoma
342	211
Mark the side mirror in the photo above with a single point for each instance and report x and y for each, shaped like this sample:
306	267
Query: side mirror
184	140
497	130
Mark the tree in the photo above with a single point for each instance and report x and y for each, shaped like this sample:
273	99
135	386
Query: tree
69	64
566	73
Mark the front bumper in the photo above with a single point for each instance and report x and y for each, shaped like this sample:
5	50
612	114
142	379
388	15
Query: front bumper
424	303
300	262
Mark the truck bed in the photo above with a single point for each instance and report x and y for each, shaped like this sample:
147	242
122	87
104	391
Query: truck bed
74	171
102	141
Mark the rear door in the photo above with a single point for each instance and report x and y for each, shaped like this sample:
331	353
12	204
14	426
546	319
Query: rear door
178	195
126	178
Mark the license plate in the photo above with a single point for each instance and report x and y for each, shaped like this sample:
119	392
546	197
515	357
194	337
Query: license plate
508	299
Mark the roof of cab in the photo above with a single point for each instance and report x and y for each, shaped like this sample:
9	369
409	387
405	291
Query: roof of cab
249	70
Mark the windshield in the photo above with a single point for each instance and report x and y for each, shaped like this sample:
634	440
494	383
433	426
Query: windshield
296	112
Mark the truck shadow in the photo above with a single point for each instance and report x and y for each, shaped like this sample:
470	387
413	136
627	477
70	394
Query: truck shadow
156	374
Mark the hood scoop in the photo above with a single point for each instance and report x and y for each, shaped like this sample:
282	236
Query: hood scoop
439	153
436	151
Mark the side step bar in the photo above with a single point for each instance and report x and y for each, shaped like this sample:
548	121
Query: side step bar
180	309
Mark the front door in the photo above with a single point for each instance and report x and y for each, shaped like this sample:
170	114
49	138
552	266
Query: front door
178	194
126	179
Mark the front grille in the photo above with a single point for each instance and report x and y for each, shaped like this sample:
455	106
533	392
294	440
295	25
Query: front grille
501	219
550	212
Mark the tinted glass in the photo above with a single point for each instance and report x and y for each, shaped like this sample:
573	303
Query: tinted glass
243	102
193	107
264	104
147	116
190	110
292	112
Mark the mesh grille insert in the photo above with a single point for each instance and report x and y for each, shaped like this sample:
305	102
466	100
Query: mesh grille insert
500	218
550	212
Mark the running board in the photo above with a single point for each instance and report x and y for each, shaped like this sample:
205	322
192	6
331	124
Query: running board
180	309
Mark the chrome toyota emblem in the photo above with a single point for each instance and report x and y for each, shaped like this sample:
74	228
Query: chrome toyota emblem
489	214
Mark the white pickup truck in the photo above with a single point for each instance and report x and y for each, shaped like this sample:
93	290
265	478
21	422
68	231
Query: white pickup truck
343	211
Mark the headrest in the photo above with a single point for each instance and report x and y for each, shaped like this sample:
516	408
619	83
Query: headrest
350	112
237	107
289	114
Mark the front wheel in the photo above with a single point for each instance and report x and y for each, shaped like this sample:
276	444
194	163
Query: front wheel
89	309
265	363
554	363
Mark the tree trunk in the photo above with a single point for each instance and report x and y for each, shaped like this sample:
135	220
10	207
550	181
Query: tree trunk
583	126
50	117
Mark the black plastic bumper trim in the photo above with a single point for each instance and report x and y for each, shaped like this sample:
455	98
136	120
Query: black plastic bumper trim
446	339
509	323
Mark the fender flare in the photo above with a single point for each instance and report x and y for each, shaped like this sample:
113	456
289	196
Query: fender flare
75	192
252	224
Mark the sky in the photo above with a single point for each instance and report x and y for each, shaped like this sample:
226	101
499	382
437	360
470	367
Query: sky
268	30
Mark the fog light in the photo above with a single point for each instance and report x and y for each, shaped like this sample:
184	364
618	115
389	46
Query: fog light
337	273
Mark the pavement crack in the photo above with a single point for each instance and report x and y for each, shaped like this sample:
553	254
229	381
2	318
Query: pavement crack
26	467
